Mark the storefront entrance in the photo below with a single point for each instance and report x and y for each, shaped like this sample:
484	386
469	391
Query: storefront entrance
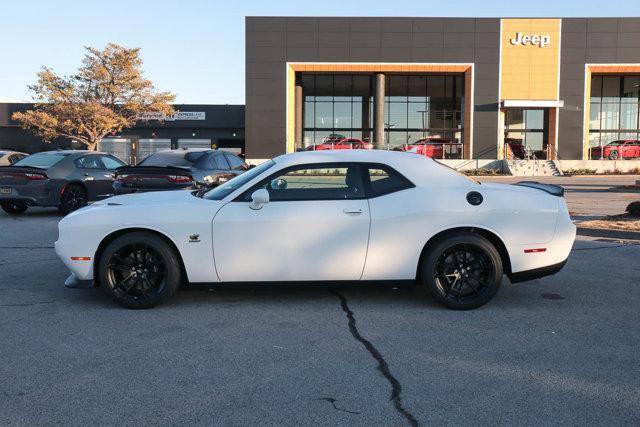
526	133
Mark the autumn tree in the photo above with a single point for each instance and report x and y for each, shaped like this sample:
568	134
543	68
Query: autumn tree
107	94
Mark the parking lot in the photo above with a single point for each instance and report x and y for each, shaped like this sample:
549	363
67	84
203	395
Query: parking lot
559	350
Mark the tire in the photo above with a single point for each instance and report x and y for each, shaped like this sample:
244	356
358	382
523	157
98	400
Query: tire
14	208
73	198
472	281
613	155
139	270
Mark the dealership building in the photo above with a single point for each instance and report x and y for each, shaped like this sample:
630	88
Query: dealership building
555	86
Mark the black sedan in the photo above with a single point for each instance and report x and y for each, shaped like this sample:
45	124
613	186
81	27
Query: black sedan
65	179
188	169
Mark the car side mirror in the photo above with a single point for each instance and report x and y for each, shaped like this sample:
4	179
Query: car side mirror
259	198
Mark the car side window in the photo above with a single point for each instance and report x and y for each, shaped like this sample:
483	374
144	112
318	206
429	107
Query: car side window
385	180
313	182
111	162
235	161
89	162
219	162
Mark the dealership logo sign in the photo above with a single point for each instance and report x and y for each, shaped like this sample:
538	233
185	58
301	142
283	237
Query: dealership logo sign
180	115
534	40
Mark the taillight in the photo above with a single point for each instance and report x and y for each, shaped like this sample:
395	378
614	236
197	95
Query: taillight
179	179
121	177
35	176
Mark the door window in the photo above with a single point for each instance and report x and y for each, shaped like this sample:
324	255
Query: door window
235	161
219	162
112	162
89	162
313	182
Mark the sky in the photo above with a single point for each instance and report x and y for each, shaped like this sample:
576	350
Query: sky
195	48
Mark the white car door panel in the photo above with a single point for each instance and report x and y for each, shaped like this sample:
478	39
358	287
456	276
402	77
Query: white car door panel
291	240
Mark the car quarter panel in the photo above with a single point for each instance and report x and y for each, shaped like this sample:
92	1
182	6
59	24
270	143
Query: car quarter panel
403	222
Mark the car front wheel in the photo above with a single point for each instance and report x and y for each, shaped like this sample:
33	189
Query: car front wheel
139	270
613	155
463	271
14	208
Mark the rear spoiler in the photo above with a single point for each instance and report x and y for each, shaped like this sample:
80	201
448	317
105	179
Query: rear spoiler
554	190
22	168
175	170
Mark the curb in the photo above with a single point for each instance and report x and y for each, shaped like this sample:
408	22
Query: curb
611	234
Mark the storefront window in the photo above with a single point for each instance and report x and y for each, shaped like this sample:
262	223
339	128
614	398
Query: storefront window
416	106
527	128
614	109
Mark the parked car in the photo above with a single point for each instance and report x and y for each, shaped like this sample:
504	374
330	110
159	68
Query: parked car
399	217
333	137
436	148
622	149
10	157
343	144
65	179
187	169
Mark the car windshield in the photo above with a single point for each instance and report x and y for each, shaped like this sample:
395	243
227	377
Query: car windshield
172	158
41	160
222	191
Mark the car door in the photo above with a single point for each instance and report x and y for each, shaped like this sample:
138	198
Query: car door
92	173
110	164
314	227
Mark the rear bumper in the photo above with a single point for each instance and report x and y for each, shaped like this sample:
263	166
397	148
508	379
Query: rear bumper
537	273
34	194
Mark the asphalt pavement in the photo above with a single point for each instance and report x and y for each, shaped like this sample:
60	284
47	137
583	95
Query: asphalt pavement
560	350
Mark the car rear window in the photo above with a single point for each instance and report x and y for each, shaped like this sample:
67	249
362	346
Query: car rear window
171	159
41	160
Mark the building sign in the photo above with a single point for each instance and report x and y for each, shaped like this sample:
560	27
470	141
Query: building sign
534	40
180	115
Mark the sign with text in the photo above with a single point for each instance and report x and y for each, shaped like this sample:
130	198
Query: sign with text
180	115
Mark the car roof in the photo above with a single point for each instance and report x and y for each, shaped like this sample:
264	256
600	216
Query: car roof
3	152
414	166
68	152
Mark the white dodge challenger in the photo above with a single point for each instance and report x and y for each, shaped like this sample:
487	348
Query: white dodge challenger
324	216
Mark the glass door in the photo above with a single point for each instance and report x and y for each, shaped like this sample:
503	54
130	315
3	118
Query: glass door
526	132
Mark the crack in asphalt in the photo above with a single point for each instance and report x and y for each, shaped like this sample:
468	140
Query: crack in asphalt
26	247
333	403
607	247
26	262
383	367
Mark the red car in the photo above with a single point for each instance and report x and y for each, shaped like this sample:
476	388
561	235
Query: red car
622	149
342	144
516	147
433	147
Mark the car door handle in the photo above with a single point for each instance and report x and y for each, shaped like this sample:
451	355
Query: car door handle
352	211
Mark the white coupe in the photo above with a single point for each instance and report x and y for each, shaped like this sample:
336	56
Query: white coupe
324	216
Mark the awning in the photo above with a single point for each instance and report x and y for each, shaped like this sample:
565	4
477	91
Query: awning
531	103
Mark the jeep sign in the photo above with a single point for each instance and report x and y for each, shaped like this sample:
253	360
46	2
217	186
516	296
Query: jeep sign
526	39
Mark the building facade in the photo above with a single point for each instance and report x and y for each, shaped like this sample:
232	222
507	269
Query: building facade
487	86
193	126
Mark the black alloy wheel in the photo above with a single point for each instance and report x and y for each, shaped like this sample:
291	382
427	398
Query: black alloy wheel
14	208
464	271
73	198
613	155
139	270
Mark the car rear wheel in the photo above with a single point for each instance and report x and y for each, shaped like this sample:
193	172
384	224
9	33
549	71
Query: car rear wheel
613	155
139	270
14	208
74	197
464	271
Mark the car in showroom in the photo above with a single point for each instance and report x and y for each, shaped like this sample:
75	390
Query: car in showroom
183	169
436	148
8	157
323	217
621	149
66	179
342	144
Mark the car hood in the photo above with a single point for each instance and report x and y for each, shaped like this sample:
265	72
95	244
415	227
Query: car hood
153	198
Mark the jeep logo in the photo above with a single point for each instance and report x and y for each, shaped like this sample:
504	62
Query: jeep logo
526	39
